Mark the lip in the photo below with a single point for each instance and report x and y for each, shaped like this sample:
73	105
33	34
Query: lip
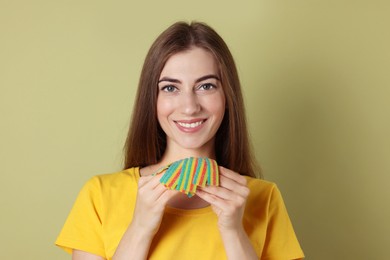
190	126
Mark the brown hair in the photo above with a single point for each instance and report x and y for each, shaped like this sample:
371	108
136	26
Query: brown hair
146	141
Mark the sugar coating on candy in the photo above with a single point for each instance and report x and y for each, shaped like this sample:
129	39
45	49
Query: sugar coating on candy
187	174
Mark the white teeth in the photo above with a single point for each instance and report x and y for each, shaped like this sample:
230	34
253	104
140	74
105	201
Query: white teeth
192	125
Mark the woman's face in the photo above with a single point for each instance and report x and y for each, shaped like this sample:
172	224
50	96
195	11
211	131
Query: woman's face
191	102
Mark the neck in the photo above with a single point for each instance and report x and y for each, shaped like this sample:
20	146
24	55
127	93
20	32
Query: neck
172	155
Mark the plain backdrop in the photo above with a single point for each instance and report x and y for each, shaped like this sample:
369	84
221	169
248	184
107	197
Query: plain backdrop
316	80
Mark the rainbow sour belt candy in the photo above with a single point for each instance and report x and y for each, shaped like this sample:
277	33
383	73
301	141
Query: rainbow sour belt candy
187	174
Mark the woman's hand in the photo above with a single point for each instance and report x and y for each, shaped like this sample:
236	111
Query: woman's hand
228	200
152	197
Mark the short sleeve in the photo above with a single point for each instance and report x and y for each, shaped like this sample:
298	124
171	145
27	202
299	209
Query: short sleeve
281	242
83	227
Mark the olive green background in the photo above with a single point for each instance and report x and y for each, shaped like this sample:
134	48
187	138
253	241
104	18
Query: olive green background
316	79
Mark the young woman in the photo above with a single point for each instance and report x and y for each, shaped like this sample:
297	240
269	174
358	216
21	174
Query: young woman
189	104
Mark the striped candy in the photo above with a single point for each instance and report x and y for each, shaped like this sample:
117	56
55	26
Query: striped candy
185	175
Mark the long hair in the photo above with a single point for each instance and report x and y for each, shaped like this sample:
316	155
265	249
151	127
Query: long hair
146	141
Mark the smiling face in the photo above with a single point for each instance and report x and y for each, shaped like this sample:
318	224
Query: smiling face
190	103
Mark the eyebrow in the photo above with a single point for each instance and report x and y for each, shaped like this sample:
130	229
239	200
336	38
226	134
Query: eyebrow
210	76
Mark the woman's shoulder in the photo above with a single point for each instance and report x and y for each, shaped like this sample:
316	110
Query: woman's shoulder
114	180
261	189
132	173
255	183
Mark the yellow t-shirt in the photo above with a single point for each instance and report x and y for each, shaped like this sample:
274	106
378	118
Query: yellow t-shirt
104	209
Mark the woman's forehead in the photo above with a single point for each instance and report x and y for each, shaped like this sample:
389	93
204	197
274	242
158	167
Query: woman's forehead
195	62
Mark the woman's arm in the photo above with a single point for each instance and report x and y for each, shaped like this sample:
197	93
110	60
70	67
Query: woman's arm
228	202
238	245
134	244
81	255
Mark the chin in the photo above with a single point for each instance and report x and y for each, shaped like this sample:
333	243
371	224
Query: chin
196	147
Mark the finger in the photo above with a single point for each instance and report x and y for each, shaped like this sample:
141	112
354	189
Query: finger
212	199
151	188
218	192
232	175
155	193
149	181
167	195
158	195
208	197
233	186
237	196
143	180
224	207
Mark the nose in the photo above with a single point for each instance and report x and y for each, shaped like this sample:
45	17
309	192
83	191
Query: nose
190	103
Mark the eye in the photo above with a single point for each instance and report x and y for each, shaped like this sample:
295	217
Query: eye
169	88
207	86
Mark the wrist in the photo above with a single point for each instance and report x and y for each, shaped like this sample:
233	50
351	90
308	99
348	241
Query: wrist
144	232
237	244
134	244
236	230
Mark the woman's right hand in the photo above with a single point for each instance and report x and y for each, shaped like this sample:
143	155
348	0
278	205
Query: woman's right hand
152	197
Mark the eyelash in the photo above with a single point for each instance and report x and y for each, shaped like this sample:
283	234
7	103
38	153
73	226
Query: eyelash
165	88
205	87
209	85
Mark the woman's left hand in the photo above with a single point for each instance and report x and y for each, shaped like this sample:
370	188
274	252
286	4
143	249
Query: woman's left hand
227	200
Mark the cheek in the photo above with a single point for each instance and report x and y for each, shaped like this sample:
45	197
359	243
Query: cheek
164	108
217	106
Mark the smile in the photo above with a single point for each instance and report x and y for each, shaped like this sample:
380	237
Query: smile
190	125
